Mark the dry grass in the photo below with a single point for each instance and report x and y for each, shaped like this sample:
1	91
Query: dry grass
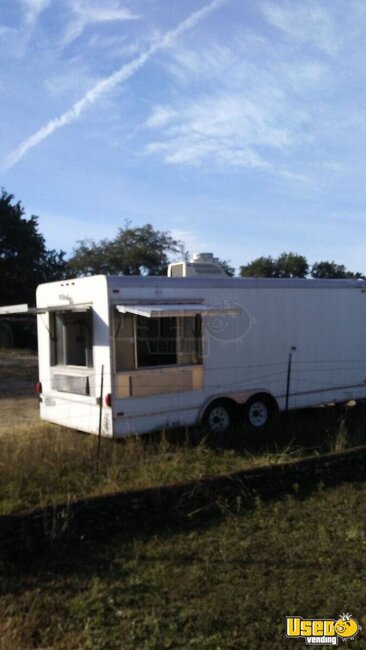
228	584
42	463
18	415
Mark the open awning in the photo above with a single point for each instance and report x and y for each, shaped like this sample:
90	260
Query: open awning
161	311
25	309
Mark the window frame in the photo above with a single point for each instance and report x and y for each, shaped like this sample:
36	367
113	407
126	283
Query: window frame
198	330
55	336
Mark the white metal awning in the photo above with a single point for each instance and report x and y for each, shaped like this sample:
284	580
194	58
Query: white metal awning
25	309
14	309
161	311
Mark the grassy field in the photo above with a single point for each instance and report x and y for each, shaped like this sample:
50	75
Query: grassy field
42	463
225	585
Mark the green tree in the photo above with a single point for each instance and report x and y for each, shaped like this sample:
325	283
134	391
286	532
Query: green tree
291	265
330	270
25	261
261	267
226	265
134	251
287	265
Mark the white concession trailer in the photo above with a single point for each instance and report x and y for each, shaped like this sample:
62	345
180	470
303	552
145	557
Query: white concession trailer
135	354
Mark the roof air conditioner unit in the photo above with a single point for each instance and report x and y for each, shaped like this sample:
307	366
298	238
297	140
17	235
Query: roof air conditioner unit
200	265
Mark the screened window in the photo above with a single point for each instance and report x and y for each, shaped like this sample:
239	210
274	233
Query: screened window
156	341
190	340
144	342
72	340
124	341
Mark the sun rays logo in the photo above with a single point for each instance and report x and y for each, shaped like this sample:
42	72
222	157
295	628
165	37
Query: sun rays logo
322	631
229	322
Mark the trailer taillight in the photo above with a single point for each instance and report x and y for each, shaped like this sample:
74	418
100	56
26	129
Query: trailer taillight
38	388
108	400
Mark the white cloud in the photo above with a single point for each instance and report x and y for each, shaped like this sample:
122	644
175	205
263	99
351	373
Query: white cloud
69	81
107	84
6	31
225	129
306	22
248	104
207	63
296	177
161	116
33	9
334	166
14	40
86	13
247	60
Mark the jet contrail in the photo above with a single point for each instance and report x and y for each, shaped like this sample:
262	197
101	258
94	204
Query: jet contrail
105	85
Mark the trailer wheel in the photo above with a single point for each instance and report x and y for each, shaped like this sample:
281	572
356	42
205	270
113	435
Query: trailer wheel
218	416
259	411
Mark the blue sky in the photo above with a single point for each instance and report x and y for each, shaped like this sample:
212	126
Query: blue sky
237	125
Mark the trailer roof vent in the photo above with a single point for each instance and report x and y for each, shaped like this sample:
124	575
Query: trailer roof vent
200	265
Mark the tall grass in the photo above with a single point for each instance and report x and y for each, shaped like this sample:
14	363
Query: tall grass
42	463
340	441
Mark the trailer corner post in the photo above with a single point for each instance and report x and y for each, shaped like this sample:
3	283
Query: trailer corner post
100	418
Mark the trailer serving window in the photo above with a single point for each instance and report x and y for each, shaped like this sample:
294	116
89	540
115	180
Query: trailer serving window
142	342
71	338
161	334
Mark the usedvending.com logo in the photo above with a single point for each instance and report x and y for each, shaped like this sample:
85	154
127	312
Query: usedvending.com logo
322	631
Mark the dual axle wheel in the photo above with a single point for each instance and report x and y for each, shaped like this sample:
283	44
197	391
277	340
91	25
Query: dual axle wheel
220	415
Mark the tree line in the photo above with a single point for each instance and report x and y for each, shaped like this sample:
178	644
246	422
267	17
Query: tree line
292	265
25	261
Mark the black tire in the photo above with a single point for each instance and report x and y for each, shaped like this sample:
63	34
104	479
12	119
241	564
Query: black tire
259	412
218	417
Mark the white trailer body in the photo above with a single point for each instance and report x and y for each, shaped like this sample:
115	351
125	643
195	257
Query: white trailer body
176	350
